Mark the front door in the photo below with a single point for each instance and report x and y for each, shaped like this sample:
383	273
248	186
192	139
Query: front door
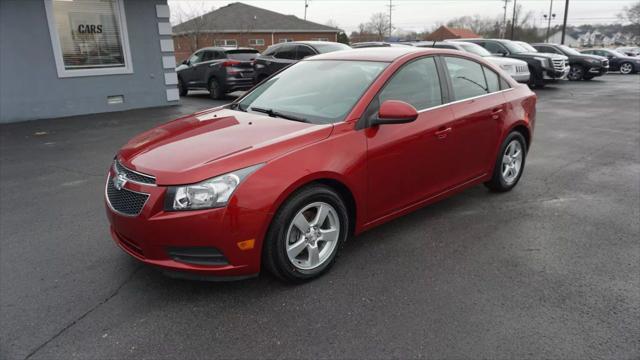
409	162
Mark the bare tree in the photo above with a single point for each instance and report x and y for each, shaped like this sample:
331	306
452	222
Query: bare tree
379	25
631	14
193	22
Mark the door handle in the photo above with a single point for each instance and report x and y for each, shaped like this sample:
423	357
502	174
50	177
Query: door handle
441	134
495	113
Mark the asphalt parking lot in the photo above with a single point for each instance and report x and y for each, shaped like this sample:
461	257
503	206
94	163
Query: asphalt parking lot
549	270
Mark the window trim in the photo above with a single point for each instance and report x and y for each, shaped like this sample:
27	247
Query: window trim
256	42
57	46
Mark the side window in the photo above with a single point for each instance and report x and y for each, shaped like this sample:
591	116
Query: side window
286	52
195	58
416	83
208	56
494	48
548	49
303	51
493	80
467	78
504	84
271	50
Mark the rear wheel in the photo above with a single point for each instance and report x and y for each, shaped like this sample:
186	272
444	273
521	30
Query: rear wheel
626	68
306	234
215	89
576	73
509	164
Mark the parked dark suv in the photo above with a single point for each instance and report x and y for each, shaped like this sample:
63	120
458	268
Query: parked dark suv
217	69
617	61
281	55
583	66
543	67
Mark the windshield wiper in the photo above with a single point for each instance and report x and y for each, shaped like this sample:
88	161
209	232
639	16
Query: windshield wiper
273	113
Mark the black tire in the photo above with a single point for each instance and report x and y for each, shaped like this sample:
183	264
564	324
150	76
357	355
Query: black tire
498	182
216	92
576	73
275	258
629	65
182	88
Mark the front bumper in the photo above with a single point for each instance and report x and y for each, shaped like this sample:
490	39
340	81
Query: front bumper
521	77
598	70
553	74
152	236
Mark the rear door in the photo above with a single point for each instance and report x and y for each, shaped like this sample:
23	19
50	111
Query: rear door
189	74
200	70
409	162
478	108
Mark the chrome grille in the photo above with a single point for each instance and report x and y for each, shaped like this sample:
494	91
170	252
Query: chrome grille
522	69
134	175
558	64
125	202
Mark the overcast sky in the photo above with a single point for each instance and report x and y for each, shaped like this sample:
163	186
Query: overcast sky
419	15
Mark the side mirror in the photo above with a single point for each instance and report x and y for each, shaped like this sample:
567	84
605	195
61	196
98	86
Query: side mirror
395	112
185	62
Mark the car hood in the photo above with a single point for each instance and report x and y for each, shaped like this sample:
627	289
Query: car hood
214	142
498	60
543	55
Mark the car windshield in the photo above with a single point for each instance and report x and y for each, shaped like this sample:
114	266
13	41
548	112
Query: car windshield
528	47
242	55
317	91
329	47
569	50
475	49
514	47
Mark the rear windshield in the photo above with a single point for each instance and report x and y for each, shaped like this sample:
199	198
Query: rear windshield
329	47
242	55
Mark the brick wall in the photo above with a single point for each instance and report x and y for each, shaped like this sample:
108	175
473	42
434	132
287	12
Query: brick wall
185	45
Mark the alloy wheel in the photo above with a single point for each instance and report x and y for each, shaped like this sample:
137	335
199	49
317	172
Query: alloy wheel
626	68
576	73
312	235
512	162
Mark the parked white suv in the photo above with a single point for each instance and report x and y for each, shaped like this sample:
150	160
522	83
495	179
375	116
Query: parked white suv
518	69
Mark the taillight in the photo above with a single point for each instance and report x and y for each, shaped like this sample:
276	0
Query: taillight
229	63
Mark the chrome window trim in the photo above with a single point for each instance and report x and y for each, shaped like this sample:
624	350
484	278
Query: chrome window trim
115	169
106	196
459	101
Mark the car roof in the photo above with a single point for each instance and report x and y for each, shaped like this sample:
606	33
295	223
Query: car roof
222	48
384	54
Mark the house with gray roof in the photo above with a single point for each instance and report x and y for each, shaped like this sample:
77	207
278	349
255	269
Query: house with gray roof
242	25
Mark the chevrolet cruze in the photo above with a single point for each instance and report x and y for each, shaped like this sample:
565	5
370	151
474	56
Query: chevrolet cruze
326	149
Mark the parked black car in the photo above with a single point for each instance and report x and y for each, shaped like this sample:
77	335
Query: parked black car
583	66
543	67
617	61
281	55
633	51
217	69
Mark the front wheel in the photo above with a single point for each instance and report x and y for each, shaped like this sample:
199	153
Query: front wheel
509	164
626	68
576	73
182	88
306	234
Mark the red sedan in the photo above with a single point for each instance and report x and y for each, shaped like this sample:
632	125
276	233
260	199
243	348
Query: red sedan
332	146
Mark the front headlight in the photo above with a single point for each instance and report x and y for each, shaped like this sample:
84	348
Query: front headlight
211	193
507	68
543	61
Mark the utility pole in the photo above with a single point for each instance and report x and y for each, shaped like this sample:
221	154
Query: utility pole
504	20
306	5
549	20
391	6
513	19
564	23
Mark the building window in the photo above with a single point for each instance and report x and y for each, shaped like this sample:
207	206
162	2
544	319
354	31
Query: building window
284	40
89	37
226	42
256	42
320	39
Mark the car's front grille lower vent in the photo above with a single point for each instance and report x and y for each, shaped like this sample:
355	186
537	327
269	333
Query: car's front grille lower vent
134	175
125	201
198	256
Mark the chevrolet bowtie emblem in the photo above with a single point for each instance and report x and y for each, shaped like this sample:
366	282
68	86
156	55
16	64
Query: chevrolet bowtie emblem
119	181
